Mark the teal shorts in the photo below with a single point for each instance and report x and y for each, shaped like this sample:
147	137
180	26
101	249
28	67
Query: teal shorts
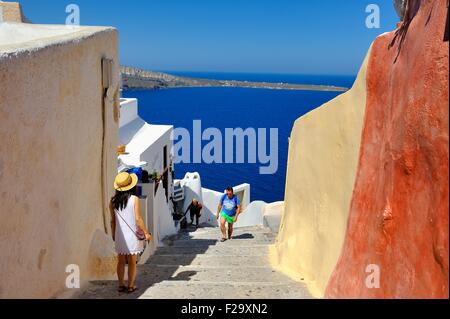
229	219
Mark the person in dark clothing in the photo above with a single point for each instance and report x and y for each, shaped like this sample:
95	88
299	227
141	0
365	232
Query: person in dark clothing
195	209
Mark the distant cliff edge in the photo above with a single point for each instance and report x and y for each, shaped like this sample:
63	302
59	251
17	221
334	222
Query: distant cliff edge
134	78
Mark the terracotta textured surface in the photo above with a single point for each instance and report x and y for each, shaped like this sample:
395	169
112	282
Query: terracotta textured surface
399	213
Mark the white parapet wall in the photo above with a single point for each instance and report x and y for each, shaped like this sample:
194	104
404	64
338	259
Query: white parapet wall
243	192
259	213
253	215
210	202
192	186
128	111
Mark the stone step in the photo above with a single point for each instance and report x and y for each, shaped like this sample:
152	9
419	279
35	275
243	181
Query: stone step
222	249
216	242
194	264
214	230
217	233
152	274
208	260
225	290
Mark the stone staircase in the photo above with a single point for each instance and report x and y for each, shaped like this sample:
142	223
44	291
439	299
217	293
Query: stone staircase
195	265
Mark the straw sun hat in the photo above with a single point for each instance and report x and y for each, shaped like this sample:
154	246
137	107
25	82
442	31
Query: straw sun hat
122	150
125	181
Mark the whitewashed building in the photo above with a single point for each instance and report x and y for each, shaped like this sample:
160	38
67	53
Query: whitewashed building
149	146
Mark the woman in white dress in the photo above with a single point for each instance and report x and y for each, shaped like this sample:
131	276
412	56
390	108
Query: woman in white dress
126	224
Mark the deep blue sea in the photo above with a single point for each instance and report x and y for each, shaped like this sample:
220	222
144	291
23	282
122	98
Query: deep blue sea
237	108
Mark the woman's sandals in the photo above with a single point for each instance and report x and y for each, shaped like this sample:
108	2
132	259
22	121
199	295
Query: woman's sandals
132	289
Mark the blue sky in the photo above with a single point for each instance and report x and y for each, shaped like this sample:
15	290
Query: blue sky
263	36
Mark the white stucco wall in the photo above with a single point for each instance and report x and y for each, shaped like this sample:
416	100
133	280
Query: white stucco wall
51	188
154	154
253	215
128	111
259	213
157	217
192	185
146	143
210	199
164	220
210	202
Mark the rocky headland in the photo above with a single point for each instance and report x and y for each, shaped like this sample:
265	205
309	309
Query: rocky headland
135	78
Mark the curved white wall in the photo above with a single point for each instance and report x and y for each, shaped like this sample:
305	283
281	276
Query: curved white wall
192	185
253	215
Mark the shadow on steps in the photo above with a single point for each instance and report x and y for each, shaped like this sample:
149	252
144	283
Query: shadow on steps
146	274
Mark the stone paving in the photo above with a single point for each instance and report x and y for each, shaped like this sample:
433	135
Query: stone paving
194	264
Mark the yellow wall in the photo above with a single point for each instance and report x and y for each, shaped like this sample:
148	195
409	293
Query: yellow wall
323	157
12	12
51	162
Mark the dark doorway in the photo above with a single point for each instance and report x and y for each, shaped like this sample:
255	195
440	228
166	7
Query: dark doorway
166	174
